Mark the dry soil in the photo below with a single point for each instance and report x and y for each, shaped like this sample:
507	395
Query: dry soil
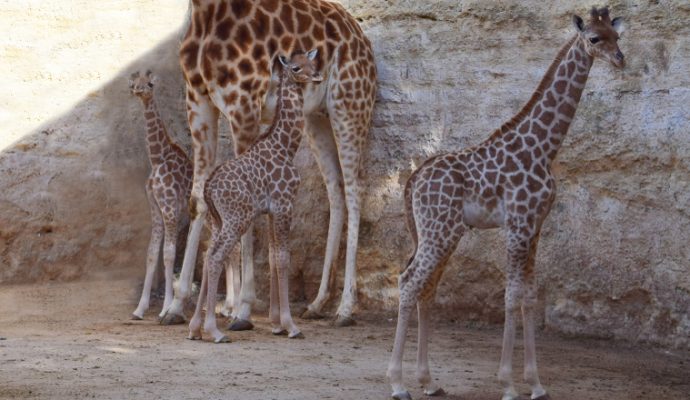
75	340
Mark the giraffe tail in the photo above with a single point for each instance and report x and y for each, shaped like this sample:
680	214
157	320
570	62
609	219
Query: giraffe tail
409	215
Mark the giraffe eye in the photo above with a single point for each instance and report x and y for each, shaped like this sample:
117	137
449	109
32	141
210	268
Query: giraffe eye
150	84
594	40
296	69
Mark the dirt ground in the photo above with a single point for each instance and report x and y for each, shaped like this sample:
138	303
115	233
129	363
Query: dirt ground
75	340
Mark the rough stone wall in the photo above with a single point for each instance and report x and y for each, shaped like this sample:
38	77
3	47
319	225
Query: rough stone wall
613	260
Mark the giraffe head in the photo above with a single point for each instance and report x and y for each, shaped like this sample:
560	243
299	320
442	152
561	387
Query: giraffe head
301	67
142	85
601	36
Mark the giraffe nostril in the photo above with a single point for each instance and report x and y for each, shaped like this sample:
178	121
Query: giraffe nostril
619	55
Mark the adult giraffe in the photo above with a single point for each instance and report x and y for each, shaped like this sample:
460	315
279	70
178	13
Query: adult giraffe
227	57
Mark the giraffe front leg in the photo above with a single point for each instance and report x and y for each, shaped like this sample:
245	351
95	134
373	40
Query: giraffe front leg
274	307
169	244
518	252
203	122
243	318
221	247
151	258
529	302
152	255
195	322
281	230
232	285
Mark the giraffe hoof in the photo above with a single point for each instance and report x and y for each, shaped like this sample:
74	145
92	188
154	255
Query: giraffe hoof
222	339
438	392
136	317
544	396
194	337
309	314
342	322
240	325
279	332
172	319
298	335
401	396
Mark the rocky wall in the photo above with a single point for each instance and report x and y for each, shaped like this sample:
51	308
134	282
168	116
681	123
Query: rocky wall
613	260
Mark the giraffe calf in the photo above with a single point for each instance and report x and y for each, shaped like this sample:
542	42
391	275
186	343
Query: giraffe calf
263	180
168	189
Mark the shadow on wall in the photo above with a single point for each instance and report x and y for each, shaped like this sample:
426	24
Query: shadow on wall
73	200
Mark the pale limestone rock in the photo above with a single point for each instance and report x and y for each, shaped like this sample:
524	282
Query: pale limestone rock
613	259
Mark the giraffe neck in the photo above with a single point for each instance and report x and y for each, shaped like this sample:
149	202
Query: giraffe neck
549	112
288	122
157	139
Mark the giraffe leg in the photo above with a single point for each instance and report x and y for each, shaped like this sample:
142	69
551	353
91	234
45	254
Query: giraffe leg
203	122
243	321
394	373
232	284
326	152
218	252
195	322
423	373
274	309
424	270
169	244
349	151
281	230
529	302
152	255
518	249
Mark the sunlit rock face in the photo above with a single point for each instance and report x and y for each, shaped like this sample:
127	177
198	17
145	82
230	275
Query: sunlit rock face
613	260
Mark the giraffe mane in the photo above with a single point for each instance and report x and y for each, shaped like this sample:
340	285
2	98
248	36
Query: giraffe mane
546	81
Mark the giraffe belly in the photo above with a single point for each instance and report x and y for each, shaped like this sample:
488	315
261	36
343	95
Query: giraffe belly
477	215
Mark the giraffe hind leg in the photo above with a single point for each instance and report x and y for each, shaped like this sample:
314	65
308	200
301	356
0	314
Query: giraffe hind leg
326	152
417	285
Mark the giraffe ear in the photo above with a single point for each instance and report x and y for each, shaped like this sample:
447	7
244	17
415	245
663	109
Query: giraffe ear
617	24
312	54
579	24
283	60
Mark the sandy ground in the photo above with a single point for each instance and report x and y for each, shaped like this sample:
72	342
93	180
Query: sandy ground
75	340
